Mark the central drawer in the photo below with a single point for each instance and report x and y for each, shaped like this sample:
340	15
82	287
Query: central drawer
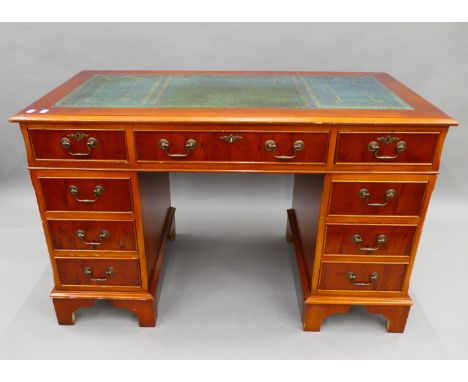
231	146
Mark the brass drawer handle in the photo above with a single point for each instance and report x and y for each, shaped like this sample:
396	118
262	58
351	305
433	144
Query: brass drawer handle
381	240
352	277
271	145
91	143
364	194
88	271
81	234
97	191
375	147
190	145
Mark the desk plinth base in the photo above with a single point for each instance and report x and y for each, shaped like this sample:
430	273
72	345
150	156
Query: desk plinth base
142	304
317	308
66	304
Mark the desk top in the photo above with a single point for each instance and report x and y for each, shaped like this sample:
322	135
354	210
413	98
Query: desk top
224	91
233	97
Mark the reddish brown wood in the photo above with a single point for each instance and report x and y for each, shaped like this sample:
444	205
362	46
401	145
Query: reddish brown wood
71	272
168	227
46	144
315	314
306	203
249	148
155	196
396	316
121	238
293	230
65	308
145	310
117	195
345	198
353	147
339	239
333	276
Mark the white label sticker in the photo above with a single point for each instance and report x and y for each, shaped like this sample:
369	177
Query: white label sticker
43	111
30	111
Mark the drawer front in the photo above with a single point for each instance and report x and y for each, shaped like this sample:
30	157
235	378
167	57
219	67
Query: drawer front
80	194
78	144
231	147
386	148
102	272
167	146
92	235
376	198
356	277
377	240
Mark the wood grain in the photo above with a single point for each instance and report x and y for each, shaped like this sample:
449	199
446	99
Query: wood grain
396	316
333	276
155	197
345	198
306	205
46	145
339	239
353	147
116	196
249	147
126	272
121	235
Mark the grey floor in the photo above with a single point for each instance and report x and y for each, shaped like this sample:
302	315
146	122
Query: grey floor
229	287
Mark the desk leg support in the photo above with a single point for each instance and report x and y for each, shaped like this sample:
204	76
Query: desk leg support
315	314
145	310
396	316
65	309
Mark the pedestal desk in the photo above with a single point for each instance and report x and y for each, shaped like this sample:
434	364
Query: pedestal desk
365	151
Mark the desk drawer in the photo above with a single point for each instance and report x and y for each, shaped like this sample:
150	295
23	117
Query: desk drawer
231	147
102	272
82	194
92	235
386	148
79	144
357	277
376	198
368	240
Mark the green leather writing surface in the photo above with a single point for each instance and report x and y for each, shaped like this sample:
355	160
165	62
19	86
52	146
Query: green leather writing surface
233	91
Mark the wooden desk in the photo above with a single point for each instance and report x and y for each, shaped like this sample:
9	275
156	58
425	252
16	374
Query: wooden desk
365	151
